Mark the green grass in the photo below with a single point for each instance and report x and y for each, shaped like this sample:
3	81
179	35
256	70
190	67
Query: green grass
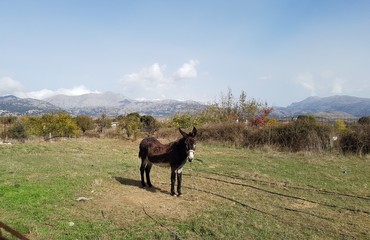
229	193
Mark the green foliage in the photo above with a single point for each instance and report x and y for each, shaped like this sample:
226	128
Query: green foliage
18	131
149	123
182	120
103	122
211	114
61	124
84	122
306	119
296	136
33	125
227	133
305	134
242	110
131	124
357	140
340	126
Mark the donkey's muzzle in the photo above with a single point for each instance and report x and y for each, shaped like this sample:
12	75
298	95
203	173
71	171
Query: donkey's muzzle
191	155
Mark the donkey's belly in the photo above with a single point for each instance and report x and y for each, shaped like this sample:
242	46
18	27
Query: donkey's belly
159	162
162	164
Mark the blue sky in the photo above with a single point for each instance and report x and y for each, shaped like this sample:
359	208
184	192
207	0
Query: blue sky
278	51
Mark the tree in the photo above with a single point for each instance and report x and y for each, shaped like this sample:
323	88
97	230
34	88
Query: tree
85	123
18	131
131	124
7	120
242	107
103	122
60	124
227	102
182	120
149	123
261	119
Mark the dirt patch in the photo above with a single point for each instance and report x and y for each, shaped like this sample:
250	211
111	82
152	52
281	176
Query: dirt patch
301	204
123	199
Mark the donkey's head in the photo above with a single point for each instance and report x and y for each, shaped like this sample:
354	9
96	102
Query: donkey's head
189	142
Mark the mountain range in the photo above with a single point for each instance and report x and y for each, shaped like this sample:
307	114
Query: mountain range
95	104
339	106
113	104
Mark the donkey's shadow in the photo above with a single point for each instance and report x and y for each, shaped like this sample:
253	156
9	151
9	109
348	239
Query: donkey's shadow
137	183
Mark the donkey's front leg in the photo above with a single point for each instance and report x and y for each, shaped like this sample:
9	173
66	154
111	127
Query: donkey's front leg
179	181
173	180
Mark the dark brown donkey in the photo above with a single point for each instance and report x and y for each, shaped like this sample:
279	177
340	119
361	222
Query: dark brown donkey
174	155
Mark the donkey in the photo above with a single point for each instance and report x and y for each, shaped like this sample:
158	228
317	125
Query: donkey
174	155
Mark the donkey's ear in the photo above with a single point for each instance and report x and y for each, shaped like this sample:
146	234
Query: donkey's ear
194	132
184	134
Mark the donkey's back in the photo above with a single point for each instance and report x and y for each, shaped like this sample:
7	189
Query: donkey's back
150	146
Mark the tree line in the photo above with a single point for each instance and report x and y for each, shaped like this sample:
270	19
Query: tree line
238	121
52	125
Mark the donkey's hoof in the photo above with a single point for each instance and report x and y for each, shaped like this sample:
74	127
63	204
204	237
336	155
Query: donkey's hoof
179	194
150	185
173	194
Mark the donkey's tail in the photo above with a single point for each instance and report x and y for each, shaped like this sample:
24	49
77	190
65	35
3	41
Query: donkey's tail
143	152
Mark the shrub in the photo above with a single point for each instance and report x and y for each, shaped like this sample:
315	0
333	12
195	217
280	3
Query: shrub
302	135
85	123
182	120
18	131
226	133
357	140
364	120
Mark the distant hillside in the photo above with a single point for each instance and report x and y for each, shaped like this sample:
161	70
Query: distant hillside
108	99
113	104
345	106
11	105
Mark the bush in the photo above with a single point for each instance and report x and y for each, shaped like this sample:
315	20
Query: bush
364	120
18	131
226	133
357	140
301	135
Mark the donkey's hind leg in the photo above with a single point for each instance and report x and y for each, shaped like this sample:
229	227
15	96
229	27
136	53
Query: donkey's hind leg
147	173
142	168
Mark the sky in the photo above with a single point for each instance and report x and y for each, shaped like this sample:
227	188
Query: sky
276	51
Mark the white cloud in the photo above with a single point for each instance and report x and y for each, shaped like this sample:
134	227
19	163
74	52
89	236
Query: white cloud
45	93
187	70
324	83
337	88
153	76
307	81
155	81
10	86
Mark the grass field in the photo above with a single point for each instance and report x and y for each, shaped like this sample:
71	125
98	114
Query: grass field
229	193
